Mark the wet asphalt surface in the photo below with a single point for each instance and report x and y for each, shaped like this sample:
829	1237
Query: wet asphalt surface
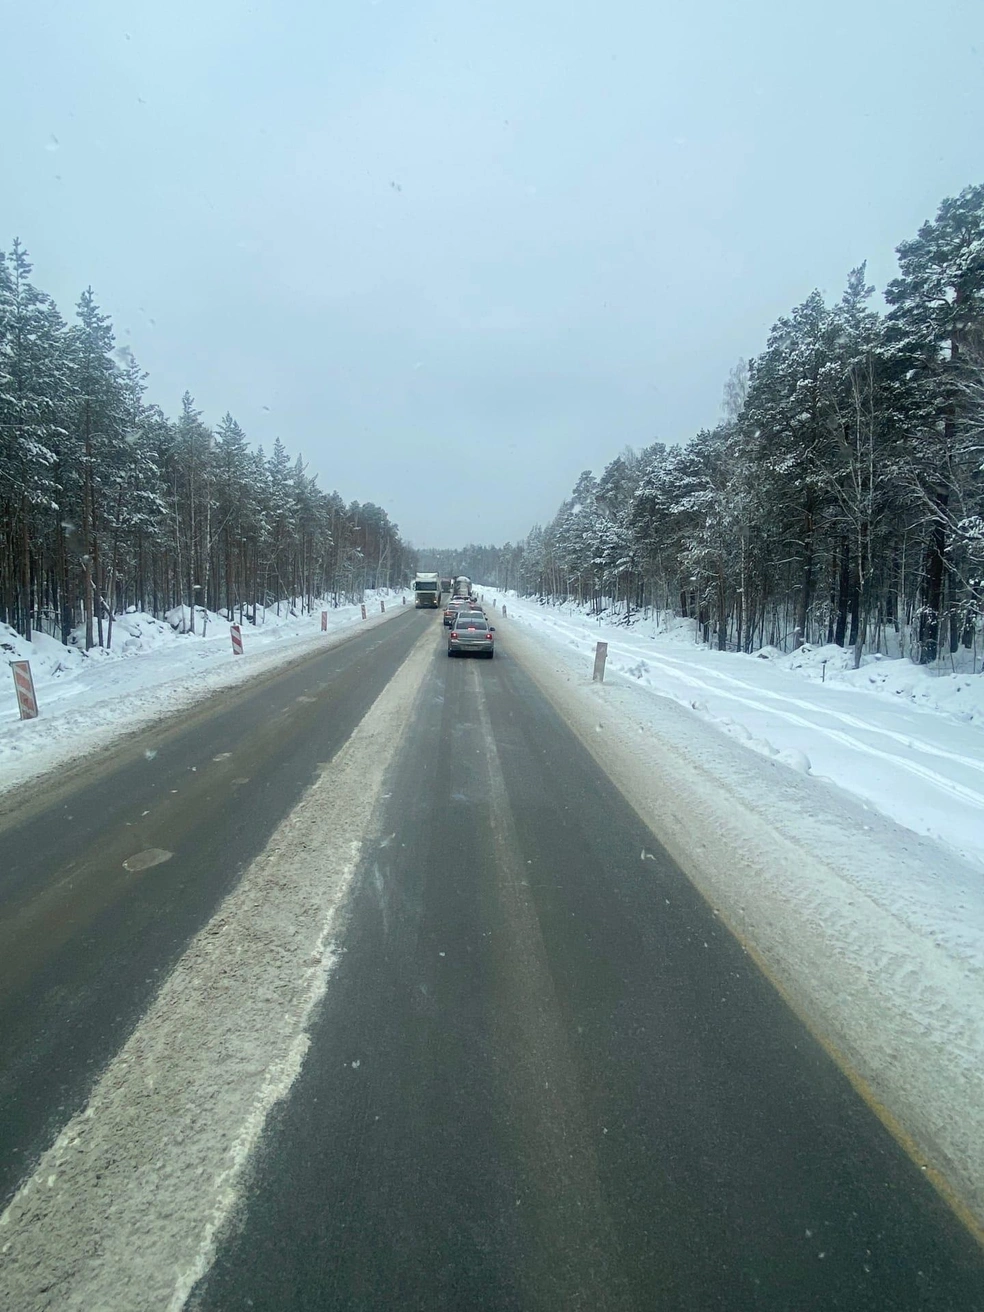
544	1075
84	943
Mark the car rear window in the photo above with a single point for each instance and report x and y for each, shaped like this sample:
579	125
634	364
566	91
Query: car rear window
467	621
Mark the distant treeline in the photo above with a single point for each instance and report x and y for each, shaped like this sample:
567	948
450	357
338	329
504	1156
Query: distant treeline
105	502
480	563
841	499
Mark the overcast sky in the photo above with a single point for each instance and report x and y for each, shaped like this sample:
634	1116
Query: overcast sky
456	251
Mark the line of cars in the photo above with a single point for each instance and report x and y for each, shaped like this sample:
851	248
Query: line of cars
468	628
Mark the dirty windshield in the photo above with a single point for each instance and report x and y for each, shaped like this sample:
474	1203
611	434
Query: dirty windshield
618	944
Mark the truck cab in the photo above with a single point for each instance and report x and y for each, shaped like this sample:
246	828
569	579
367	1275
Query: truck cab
427	591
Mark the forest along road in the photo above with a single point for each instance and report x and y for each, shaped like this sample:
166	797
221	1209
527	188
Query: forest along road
532	1069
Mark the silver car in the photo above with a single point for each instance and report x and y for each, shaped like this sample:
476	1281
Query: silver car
455	605
471	631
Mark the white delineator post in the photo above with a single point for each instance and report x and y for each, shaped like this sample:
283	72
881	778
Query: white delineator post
236	633
382	608
27	702
363	610
503	610
403	601
601	655
324	621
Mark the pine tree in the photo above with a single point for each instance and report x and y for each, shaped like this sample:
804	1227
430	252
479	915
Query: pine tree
32	386
937	317
95	425
787	423
193	451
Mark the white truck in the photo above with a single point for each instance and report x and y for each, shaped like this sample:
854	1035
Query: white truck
462	587
427	591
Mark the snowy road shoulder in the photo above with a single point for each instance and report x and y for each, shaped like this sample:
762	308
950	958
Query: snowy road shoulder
870	732
875	934
125	1208
87	703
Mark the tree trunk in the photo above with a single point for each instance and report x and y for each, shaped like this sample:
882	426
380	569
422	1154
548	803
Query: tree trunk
87	528
855	605
929	619
26	567
98	584
806	581
65	609
843	593
722	624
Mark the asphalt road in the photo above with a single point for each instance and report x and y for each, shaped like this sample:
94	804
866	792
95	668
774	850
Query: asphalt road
544	1075
84	943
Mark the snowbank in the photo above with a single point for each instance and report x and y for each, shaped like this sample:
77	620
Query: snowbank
906	740
955	684
874	933
153	669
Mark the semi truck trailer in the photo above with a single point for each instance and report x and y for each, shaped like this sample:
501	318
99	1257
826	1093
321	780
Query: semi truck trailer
427	591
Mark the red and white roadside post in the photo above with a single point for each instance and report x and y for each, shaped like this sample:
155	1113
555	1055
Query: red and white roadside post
324	621
601	655
236	633
363	610
27	702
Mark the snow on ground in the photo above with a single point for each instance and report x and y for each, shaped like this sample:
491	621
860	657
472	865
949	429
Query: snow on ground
153	669
806	847
914	749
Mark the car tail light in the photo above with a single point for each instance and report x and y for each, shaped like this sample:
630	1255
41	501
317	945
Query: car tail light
489	636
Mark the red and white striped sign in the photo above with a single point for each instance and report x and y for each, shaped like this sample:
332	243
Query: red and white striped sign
324	621
237	639
27	702
363	610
